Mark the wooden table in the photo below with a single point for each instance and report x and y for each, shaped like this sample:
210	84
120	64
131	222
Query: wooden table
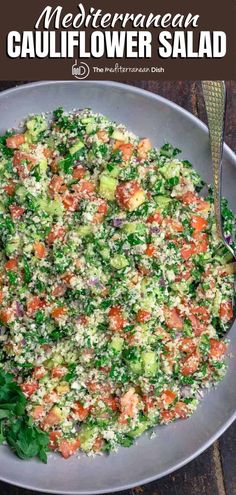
213	472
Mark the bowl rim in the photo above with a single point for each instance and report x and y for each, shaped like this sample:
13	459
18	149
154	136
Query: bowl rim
232	157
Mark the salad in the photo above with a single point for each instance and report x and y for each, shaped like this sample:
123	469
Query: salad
115	289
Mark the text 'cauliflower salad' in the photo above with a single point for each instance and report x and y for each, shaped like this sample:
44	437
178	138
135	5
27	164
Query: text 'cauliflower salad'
115	290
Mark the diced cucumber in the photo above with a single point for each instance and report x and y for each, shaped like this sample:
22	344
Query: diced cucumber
84	230
43	166
113	171
90	128
170	170
51	207
216	303
136	367
20	193
105	253
2	208
76	147
138	430
87	435
107	186
149	361
119	261
118	136
35	126
87	120
116	344
55	207
131	228
162	201
12	246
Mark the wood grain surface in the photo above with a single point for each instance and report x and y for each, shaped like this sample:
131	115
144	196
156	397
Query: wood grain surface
214	471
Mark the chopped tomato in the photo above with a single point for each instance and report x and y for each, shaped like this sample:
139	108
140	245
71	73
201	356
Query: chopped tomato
68	447
39	372
155	218
198	223
58	371
98	444
70	201
59	290
80	411
16	211
10	188
196	324
149	403
128	405
66	277
217	349
54	437
1	296
187	345
15	141
23	162
52	418
226	310
174	225
40	250
187	251
84	189
144	146
54	166
28	388
143	316
12	265
102	207
37	412
57	232
180	410
50	398
78	172
166	398
172	318
190	364
166	416
103	136
58	312
6	315
111	402
130	195
116	319
56	186
101	212
125	148
201	312
191	198
201	244
35	303
150	250
48	153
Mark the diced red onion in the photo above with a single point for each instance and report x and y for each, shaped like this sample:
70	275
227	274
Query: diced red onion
229	239
154	230
19	309
117	222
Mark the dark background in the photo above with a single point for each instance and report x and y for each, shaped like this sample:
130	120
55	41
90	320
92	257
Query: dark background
213	472
214	16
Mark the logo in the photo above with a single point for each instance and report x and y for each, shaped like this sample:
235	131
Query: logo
80	70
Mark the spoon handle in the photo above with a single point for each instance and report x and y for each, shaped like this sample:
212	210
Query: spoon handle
215	100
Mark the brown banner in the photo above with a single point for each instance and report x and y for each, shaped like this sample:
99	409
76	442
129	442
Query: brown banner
192	40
